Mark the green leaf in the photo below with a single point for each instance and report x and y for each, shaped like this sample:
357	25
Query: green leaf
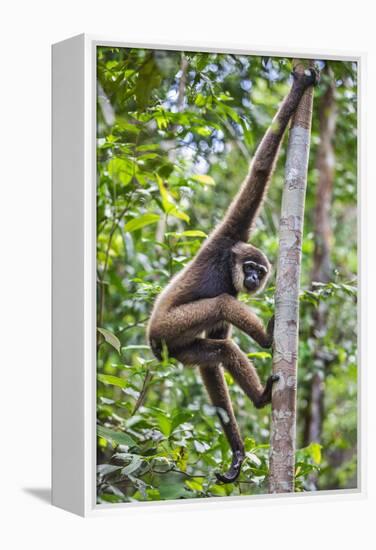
218	490
148	156
168	204
164	423
148	147
254	458
203	131
259	355
179	418
105	469
200	100
135	347
314	450
231	113
141	221
132	466
110	338
120	438
112	380
193	233
201	446
149	78
172	491
194	484
121	170
204	179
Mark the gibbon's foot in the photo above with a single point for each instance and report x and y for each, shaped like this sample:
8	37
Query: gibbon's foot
233	472
266	396
310	76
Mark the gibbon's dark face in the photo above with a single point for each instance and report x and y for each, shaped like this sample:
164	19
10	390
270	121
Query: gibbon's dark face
250	268
254	275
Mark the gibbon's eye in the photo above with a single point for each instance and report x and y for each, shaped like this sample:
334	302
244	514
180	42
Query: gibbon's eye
262	270
250	265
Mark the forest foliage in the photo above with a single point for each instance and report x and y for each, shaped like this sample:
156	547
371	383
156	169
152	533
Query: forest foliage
175	135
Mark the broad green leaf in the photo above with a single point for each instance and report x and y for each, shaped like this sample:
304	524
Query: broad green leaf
218	490
172	491
110	338
121	170
202	59
315	452
176	213
133	466
164	423
148	147
204	179
112	380
149	78
105	469
201	446
148	156
135	347
180	418
254	458
119	438
194	484
231	113
203	131
200	100
141	221
168	204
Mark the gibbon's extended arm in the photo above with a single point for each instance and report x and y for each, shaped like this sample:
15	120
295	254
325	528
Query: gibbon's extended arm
238	220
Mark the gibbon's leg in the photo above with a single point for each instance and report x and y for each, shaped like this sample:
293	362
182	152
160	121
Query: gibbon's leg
210	353
215	383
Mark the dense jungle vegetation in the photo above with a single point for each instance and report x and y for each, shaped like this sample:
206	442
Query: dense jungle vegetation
175	135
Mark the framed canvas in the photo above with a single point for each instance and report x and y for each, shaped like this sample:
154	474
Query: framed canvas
155	204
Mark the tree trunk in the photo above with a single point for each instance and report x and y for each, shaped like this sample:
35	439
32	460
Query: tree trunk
285	352
321	271
184	65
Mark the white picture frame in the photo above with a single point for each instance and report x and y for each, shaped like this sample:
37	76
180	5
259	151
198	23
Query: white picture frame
74	274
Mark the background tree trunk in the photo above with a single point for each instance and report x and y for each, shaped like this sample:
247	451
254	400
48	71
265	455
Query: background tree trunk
161	226
321	271
283	426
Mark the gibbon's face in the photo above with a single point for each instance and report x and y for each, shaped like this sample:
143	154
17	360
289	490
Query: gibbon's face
254	275
251	269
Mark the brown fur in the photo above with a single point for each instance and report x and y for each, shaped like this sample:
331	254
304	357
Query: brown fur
194	313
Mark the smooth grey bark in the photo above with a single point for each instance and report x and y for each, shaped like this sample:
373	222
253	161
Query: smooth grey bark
285	348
